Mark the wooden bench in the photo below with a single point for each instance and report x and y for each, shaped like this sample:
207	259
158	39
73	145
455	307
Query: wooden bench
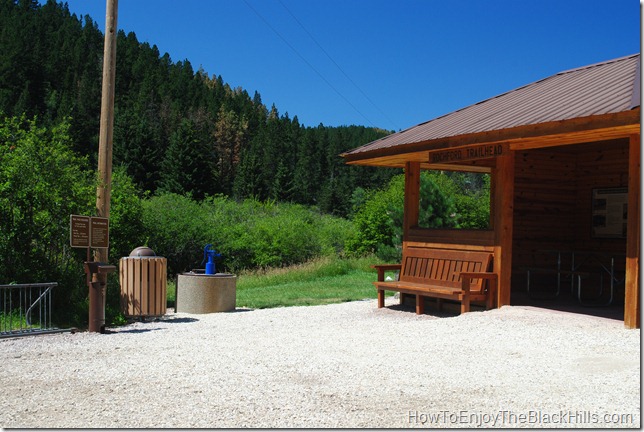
449	274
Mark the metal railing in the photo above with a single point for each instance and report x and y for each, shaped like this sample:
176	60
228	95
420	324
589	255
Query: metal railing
26	310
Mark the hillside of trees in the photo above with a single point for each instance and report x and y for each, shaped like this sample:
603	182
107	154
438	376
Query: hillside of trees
176	130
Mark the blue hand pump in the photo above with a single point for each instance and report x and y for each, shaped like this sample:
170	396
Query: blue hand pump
210	254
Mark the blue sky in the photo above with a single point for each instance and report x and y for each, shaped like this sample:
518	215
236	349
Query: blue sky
385	63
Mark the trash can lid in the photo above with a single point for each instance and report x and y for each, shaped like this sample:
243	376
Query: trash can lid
142	251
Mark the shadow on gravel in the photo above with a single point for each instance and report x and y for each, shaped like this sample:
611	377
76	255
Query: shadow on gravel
132	331
179	320
171	320
430	309
240	310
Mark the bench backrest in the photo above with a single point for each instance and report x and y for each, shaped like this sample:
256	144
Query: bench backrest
442	267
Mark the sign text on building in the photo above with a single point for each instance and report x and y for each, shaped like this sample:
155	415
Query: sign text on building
483	151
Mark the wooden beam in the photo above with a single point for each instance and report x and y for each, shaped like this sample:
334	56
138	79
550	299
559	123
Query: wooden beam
472	168
580	137
503	209
455	236
412	197
481	166
632	284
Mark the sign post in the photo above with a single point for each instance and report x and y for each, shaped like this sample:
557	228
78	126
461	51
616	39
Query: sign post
93	233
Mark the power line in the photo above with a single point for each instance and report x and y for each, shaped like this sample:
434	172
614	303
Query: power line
338	66
307	62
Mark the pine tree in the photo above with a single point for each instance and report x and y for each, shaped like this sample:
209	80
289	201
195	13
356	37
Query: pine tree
230	138
188	164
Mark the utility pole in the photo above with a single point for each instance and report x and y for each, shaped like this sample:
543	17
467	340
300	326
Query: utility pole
104	188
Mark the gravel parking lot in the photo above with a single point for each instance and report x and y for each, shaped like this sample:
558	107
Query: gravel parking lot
346	365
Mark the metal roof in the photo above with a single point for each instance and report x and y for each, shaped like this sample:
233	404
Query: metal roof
608	87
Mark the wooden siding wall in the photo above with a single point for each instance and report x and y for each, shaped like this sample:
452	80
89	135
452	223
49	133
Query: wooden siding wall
544	203
603	165
553	197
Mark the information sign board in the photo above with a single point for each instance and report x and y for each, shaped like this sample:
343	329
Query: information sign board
79	231
99	234
89	232
610	208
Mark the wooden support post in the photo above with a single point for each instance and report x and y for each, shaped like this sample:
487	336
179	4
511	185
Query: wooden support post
104	189
503	199
412	197
632	284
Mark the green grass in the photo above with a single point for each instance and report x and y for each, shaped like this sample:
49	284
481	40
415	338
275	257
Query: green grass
355	285
14	321
171	295
322	281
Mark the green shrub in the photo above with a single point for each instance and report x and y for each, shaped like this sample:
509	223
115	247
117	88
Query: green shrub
42	182
175	227
276	235
373	228
379	221
437	209
333	233
247	234
471	195
126	216
280	239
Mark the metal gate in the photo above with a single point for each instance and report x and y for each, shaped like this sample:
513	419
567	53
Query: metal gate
26	310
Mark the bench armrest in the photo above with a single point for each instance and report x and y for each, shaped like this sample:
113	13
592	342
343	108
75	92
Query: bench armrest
466	277
381	268
482	275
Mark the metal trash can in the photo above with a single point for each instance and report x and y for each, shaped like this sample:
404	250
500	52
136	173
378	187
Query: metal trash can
143	280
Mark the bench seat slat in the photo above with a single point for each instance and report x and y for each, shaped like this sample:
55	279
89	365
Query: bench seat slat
433	291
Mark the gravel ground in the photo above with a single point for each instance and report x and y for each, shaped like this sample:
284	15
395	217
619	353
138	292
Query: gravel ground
346	365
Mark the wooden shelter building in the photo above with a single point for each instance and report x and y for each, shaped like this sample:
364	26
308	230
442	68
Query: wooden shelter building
563	154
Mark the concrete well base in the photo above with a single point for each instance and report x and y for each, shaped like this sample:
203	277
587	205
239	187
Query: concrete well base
199	293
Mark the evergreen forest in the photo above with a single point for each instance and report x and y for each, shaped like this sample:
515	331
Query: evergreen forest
176	129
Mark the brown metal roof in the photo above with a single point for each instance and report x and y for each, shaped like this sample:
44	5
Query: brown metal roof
603	88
